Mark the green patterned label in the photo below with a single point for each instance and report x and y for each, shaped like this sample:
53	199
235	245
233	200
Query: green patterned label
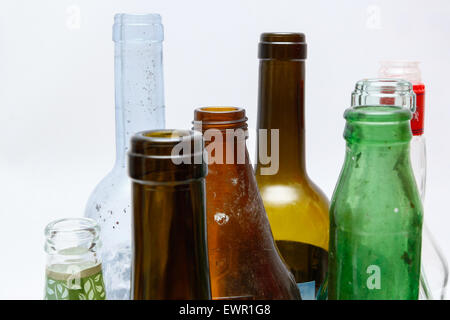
75	285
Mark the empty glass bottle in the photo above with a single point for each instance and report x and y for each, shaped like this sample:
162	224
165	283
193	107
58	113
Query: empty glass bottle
170	254
296	207
434	272
139	98
244	261
74	268
376	212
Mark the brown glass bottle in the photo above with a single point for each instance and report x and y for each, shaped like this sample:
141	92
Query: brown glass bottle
297	209
244	261
170	255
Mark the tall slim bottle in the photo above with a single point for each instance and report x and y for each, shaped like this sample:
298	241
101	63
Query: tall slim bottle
139	98
376	212
170	254
244	261
296	207
434	272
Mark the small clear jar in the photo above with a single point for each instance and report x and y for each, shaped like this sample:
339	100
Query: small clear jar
73	267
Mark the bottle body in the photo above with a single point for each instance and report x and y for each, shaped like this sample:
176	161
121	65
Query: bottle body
170	255
244	261
74	269
296	207
375	220
139	98
376	213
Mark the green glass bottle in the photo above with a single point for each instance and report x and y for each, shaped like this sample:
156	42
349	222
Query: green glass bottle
376	213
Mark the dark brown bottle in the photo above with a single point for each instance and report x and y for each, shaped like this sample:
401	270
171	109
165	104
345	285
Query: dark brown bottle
244	261
170	255
296	207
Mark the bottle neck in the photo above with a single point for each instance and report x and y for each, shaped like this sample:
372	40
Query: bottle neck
374	146
139	92
281	99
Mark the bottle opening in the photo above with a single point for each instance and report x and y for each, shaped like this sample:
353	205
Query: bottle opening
71	225
76	234
218	109
170	134
137	18
220	118
138	27
401	69
282	46
166	155
274	37
384	92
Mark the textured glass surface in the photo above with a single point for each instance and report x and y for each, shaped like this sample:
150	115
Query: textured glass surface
376	212
139	97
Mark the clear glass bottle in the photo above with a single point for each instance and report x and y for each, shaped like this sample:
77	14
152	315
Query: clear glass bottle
139	98
74	269
434	274
376	212
409	71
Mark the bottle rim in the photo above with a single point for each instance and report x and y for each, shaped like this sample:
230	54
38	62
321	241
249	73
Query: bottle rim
138	27
72	232
219	117
69	225
166	155
137	18
384	92
282	46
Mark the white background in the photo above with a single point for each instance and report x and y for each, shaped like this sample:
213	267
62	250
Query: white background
57	95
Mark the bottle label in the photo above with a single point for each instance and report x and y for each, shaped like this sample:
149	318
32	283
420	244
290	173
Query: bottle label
417	122
307	290
82	285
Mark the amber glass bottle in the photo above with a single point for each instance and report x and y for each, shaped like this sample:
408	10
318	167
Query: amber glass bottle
170	255
244	261
297	209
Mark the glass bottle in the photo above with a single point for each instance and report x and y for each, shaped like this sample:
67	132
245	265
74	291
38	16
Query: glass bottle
376	212
296	207
139	98
244	261
74	269
434	274
170	253
409	71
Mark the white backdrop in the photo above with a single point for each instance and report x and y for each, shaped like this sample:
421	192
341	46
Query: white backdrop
57	95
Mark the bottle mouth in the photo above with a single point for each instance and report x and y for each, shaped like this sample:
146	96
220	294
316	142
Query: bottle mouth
282	46
401	69
166	155
137	18
384	92
219	117
71	233
138	27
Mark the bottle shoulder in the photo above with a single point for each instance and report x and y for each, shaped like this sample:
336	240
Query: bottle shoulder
297	211
370	207
292	192
110	199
